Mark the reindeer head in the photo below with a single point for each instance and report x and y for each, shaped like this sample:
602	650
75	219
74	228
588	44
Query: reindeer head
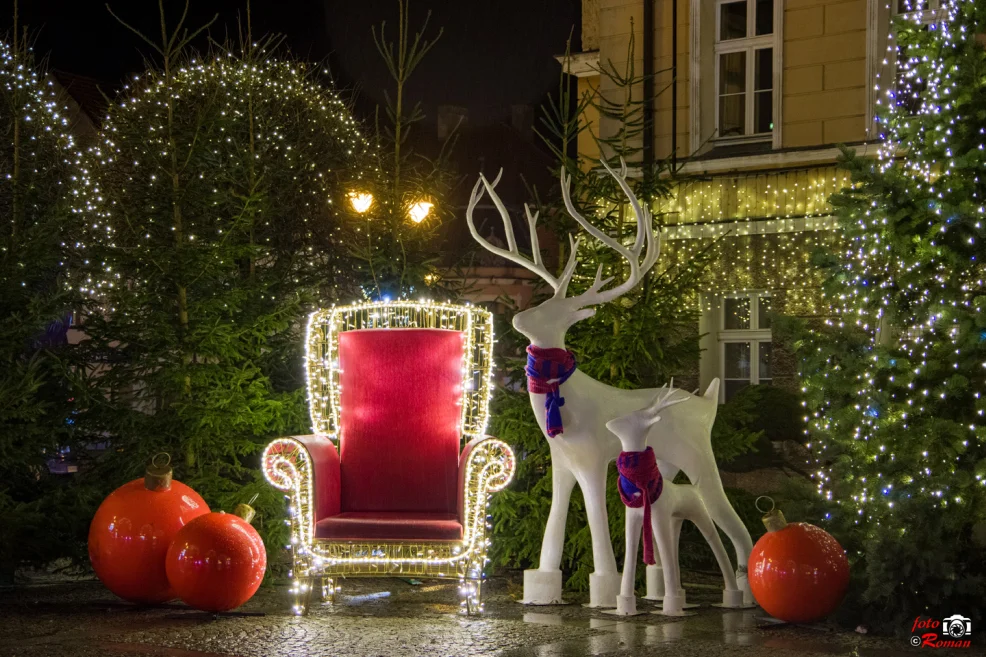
545	325
632	428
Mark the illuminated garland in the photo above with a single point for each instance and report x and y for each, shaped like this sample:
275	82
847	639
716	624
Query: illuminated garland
768	225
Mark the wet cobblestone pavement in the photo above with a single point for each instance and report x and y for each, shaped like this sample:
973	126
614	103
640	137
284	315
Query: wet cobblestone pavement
391	617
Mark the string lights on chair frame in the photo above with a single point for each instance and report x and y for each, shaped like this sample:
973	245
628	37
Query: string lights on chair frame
489	462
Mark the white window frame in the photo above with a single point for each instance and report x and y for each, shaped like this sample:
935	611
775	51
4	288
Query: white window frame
755	335
750	45
927	15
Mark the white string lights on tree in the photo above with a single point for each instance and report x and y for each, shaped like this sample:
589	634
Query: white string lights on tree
259	117
909	289
41	125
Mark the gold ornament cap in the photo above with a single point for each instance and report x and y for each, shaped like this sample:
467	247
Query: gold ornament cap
773	519
246	511
158	473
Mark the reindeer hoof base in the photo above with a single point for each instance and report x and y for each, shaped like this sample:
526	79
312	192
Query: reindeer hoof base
655	583
542	587
732	599
743	583
603	590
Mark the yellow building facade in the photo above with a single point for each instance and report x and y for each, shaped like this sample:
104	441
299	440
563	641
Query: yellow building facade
753	99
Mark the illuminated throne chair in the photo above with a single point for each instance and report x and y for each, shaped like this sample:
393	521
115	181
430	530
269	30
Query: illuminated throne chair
396	478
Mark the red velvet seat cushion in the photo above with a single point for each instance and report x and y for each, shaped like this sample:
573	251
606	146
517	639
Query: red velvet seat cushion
399	422
391	526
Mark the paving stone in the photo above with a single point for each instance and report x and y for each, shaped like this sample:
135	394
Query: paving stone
392	618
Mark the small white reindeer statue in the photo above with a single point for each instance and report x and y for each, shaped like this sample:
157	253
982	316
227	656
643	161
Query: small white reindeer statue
572	408
674	504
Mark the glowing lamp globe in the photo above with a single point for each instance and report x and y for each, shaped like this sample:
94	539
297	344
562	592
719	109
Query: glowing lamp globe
217	562
132	530
419	211
798	572
361	201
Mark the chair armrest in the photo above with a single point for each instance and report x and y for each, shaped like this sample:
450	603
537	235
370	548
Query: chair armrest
307	469
486	465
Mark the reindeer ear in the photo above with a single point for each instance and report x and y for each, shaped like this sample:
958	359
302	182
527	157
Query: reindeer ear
654	419
713	390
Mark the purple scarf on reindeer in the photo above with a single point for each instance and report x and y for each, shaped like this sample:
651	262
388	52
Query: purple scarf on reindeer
640	484
547	369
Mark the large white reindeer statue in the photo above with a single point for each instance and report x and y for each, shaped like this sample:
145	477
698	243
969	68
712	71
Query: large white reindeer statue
574	408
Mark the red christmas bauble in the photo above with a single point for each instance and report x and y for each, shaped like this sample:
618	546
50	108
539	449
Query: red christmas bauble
130	535
217	562
799	573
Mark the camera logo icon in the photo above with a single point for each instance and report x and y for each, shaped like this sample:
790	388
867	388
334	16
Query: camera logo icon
957	626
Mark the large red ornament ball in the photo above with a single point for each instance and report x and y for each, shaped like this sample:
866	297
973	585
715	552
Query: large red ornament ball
217	562
130	535
799	573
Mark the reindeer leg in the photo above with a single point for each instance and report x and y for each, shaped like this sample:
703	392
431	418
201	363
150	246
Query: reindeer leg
543	586
634	523
626	603
655	579
723	514
604	582
664	534
731	595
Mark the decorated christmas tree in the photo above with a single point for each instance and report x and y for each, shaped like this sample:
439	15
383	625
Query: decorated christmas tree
894	381
36	165
213	208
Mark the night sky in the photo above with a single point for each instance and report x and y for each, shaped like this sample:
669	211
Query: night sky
492	54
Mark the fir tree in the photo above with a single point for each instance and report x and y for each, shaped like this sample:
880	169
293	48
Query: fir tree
894	382
213	206
36	164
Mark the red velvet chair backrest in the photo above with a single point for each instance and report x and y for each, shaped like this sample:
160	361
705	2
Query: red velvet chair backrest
400	398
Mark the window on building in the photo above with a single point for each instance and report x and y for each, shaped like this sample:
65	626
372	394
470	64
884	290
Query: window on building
908	87
745	346
745	64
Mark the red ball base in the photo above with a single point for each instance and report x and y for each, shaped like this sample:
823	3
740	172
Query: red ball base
130	534
798	574
217	562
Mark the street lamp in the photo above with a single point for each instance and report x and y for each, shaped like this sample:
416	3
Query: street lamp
419	211
361	201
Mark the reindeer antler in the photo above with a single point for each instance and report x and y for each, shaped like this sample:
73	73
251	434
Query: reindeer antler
663	400
512	252
595	294
645	237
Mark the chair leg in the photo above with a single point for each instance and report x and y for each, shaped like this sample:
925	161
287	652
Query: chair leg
302	590
329	590
471	596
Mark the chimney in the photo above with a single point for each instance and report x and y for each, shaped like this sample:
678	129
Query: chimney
522	120
450	119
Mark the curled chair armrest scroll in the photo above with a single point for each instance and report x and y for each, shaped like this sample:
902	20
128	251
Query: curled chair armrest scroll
493	457
306	468
486	465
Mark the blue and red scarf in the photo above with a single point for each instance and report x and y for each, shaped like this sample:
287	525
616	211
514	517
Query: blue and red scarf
640	485
547	369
